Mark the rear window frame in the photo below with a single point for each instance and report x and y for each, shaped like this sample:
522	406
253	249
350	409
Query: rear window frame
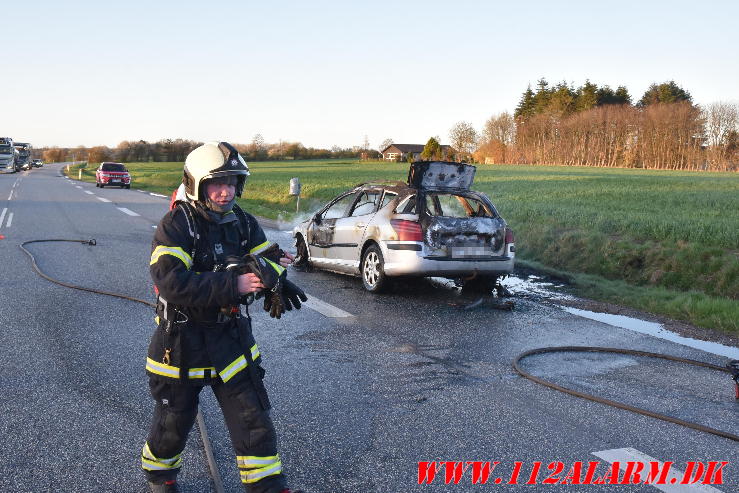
491	211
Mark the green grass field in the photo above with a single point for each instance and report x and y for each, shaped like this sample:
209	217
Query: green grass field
662	241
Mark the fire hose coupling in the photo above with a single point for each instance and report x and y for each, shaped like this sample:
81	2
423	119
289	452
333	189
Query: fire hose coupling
90	242
733	367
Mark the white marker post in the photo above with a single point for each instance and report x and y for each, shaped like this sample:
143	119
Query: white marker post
295	190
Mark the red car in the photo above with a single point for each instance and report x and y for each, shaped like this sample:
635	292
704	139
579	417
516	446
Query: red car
112	174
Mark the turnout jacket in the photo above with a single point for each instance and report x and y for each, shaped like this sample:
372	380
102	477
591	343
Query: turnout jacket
192	343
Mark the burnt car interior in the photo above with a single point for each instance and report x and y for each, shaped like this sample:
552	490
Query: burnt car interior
367	202
454	205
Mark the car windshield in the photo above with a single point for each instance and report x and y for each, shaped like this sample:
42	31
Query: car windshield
6	150
453	205
339	208
367	202
113	167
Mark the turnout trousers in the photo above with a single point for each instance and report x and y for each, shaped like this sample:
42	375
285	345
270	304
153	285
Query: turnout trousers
249	424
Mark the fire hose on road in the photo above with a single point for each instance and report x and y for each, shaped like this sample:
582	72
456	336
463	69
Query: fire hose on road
218	483
620	405
212	465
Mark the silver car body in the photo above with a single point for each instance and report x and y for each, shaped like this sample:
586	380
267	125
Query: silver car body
454	231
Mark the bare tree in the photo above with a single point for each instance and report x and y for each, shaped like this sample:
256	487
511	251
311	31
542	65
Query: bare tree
463	138
720	128
98	154
501	127
385	144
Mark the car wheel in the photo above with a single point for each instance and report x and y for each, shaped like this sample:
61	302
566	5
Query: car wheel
373	270
102	186
97	185
302	255
128	186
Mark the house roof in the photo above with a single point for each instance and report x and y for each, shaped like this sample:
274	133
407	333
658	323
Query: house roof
410	147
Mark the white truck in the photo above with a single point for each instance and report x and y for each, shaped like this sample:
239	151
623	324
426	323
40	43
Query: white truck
7	155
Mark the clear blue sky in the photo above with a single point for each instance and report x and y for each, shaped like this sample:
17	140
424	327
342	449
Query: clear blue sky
330	72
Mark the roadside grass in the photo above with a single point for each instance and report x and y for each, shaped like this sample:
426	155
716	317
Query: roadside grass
663	241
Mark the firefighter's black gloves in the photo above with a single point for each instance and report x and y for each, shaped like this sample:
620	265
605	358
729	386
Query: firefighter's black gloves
293	295
280	295
285	298
274	302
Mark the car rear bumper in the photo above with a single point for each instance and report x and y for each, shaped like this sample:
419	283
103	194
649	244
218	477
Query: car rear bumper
409	261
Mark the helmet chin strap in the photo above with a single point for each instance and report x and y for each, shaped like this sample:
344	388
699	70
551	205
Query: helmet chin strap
221	209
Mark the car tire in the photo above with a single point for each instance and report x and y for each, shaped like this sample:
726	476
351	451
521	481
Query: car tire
373	270
102	186
302	255
128	186
97	185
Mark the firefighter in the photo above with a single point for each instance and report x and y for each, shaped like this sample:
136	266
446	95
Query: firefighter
197	342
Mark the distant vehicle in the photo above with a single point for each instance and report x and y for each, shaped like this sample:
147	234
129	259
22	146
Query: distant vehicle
433	225
7	155
23	162
37	163
112	174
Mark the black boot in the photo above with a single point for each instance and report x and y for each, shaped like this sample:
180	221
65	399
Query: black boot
166	487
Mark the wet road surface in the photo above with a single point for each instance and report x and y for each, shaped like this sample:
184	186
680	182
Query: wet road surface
358	401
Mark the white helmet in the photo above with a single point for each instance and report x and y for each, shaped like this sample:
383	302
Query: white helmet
213	160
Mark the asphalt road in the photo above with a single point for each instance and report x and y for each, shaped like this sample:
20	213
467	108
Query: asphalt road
358	401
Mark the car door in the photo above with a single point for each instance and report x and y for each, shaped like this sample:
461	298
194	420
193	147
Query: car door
349	231
321	241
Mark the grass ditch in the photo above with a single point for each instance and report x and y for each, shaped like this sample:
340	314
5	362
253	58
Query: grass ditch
661	241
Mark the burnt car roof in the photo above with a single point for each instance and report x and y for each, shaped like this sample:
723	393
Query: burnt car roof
441	174
429	175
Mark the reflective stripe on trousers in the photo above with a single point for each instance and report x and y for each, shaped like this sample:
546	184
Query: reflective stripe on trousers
150	462
253	468
226	374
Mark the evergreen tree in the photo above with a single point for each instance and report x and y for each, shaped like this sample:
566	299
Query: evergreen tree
622	95
588	96
561	100
431	149
542	96
525	107
667	92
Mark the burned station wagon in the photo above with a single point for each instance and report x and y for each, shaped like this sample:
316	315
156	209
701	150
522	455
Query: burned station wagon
433	225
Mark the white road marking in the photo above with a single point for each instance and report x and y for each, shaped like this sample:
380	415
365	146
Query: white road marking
77	186
142	191
10	220
10	197
101	199
655	330
324	308
157	195
89	192
624	455
154	226
127	211
2	216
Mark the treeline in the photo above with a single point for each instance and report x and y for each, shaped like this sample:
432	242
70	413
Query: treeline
599	126
176	150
